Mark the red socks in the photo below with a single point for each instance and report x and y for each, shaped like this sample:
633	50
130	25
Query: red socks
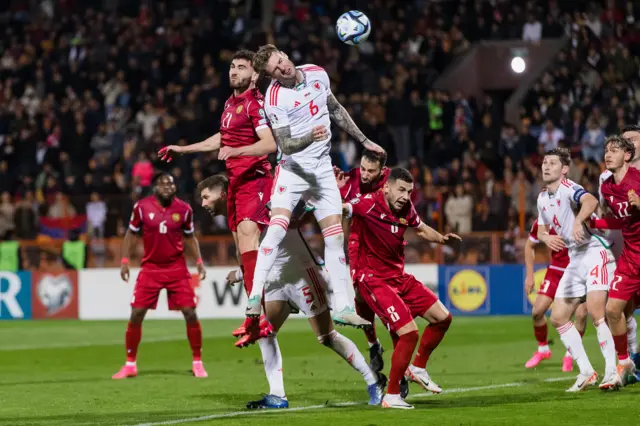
366	313
132	340
431	338
249	267
541	334
621	344
401	359
194	334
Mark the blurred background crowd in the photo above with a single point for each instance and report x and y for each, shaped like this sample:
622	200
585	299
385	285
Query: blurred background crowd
90	90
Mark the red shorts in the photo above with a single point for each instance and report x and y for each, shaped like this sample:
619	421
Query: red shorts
396	301
626	280
550	283
180	292
247	200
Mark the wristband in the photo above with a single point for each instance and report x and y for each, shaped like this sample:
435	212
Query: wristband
199	261
124	261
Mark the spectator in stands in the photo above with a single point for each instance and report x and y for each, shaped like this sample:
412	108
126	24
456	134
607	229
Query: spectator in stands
142	172
459	211
593	142
96	216
532	30
7	215
61	208
26	217
550	136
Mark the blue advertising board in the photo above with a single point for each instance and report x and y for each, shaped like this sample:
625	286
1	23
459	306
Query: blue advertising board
15	295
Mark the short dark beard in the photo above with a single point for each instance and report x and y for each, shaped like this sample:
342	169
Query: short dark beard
164	202
241	88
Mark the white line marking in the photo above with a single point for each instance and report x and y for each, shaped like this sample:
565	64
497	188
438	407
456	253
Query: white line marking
340	404
58	345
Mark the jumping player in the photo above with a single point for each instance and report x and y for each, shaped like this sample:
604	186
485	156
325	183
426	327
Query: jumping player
619	193
296	278
244	142
395	296
300	107
166	224
544	299
591	264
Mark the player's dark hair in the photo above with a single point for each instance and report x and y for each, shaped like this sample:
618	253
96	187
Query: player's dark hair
245	54
375	157
262	57
400	173
157	176
563	154
630	128
623	143
218	181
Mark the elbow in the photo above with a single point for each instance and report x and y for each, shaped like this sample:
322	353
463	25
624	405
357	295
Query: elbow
286	150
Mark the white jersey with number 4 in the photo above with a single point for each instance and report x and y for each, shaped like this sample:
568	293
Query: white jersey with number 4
558	211
302	108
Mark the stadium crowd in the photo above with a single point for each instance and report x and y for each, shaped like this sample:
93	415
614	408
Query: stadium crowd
89	95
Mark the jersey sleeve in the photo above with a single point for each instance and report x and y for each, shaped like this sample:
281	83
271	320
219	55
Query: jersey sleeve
274	108
413	218
576	192
533	233
257	115
360	206
540	218
187	222
135	222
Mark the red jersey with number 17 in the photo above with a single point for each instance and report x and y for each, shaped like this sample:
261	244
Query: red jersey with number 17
616	197
382	234
162	229
242	118
559	259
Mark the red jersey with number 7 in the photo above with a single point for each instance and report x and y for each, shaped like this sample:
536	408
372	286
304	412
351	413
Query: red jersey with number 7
615	195
242	118
162	230
559	259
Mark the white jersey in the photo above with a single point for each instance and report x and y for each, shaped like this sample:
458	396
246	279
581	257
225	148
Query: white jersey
558	211
614	235
302	108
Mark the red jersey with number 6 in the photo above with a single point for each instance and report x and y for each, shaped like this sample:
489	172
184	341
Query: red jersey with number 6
242	118
616	197
382	234
559	259
162	230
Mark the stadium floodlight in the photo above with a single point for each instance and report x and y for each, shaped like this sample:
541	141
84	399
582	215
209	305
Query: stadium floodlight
518	65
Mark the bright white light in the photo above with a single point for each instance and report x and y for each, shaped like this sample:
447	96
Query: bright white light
518	65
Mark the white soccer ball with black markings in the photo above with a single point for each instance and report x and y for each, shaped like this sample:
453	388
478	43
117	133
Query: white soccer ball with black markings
353	27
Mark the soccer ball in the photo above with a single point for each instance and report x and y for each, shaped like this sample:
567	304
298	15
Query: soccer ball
353	27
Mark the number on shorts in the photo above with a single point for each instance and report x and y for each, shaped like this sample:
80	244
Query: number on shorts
616	280
394	229
226	120
623	209
163	227
594	271
306	292
391	310
545	286
313	109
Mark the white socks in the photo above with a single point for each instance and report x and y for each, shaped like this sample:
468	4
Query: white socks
607	347
336	263
632	330
573	342
348	350
268	251
272	359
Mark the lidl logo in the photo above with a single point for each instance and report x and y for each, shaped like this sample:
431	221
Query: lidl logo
467	290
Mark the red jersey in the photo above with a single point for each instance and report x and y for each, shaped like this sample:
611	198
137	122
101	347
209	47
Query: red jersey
242	118
381	234
559	259
615	195
162	230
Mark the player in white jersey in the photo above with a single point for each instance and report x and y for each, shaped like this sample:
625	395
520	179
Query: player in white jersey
297	278
300	106
632	133
565	206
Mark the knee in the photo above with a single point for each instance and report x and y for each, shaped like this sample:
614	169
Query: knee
333	237
557	321
537	314
327	339
445	323
190	315
613	313
137	316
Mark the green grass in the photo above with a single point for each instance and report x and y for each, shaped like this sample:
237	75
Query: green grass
59	373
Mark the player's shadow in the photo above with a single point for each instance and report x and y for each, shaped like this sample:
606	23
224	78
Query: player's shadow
483	400
161	372
56	381
301	399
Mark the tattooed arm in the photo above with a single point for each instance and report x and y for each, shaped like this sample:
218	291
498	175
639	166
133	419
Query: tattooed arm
290	145
341	117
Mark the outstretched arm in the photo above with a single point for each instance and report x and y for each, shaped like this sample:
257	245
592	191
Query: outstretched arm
341	117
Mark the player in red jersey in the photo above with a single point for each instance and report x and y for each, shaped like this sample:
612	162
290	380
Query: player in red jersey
166	223
545	296
244	142
368	178
619	193
395	296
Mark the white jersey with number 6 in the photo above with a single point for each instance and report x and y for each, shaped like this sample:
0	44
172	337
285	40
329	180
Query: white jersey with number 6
302	108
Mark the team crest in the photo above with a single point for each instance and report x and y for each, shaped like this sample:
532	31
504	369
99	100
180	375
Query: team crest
343	260
261	112
558	203
403	221
317	86
175	217
267	250
282	189
239	109
355	201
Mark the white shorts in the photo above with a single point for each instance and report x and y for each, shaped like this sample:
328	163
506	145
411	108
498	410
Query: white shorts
316	184
590	269
298	277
